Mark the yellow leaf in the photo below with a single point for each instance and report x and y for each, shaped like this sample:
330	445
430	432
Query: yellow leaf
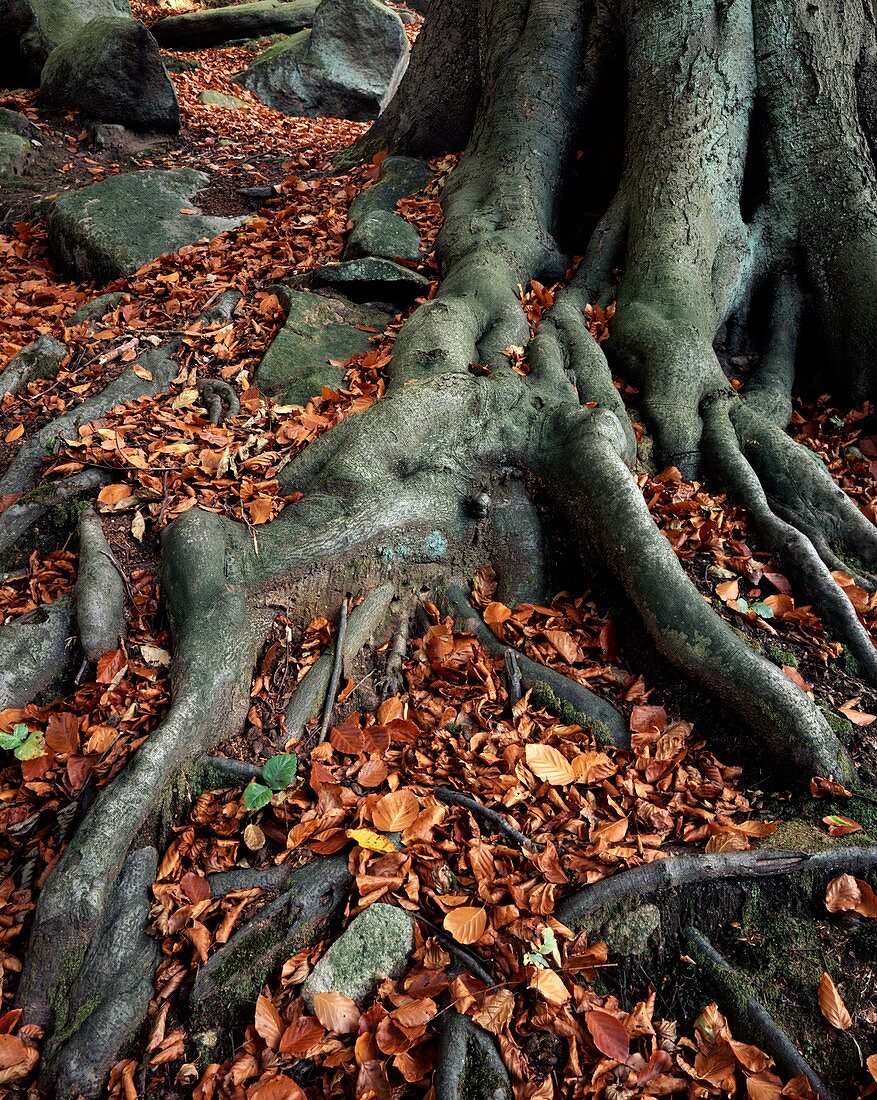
549	764
365	838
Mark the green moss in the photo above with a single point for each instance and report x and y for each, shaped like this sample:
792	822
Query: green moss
781	657
479	1081
851	664
542	695
841	727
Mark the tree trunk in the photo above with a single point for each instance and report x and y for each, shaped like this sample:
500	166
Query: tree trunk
747	176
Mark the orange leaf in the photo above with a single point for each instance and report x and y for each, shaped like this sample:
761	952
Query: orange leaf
550	986
846	893
268	1022
609	1035
279	1088
113	494
396	811
549	764
728	590
466	923
336	1012
15	433
832	1006
841	826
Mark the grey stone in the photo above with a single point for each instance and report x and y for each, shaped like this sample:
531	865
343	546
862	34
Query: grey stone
219	99
40	359
347	66
31	29
628	933
398	177
318	328
180	64
111	70
112	228
16	153
98	307
383	234
375	945
11	122
370	279
198	29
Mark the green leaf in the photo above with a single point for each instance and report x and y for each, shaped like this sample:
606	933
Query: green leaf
549	943
535	958
741	605
280	770
30	748
763	609
13	740
257	795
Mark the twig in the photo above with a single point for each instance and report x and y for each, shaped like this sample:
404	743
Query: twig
335	678
469	959
490	817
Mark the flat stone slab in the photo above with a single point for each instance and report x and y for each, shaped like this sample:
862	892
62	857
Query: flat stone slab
112	228
375	945
371	279
219	99
385	235
318	329
199	29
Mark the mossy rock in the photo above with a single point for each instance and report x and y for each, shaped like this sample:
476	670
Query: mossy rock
214	27
318	329
16	154
112	71
112	228
383	234
219	99
371	279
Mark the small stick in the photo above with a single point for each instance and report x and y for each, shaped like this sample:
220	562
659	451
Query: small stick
335	679
469	959
490	817
513	676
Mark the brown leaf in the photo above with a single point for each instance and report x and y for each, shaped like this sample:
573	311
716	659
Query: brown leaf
14	433
551	987
609	1034
114	494
841	826
336	1012
846	893
278	1088
466	923
396	811
268	1022
832	1006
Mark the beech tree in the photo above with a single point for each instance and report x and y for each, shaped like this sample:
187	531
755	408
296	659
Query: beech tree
711	165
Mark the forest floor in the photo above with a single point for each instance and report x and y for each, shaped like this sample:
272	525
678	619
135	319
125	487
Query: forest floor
681	785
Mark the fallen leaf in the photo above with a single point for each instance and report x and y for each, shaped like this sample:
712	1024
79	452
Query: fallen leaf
848	894
396	811
550	764
550	986
832	1006
336	1012
365	838
609	1034
268	1022
466	923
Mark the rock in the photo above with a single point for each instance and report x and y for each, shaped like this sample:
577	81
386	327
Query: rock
180	64
97	308
628	933
383	234
375	945
40	359
31	29
371	280
347	66
112	228
11	122
398	177
16	153
199	29
111	70
318	328
218	99
472	1068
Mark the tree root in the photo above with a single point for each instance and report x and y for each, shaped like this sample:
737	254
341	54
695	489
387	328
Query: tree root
35	652
468	1065
335	675
23	513
107	1004
602	717
315	688
99	592
653	879
301	916
750	1018
219	399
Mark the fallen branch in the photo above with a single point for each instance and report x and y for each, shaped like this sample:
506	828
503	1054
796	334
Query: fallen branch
335	678
490	817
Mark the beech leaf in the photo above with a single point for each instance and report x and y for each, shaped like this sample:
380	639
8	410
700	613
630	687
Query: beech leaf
832	1006
548	763
466	923
609	1034
396	811
336	1012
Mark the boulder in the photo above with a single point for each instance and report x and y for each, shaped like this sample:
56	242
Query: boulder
16	153
97	308
375	945
370	279
31	29
318	329
112	228
112	71
383	234
12	122
347	66
180	64
41	359
199	29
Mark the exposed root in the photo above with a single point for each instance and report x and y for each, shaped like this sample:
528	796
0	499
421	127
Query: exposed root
750	1017
219	399
99	592
468	1065
35	652
232	978
23	513
653	879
